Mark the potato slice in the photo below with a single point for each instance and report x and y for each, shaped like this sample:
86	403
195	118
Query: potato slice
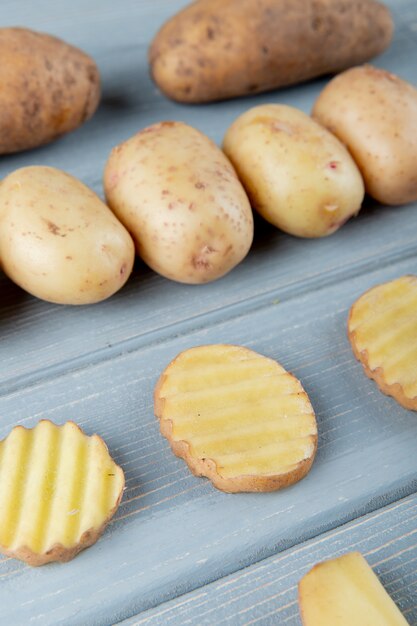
346	592
236	417
382	329
58	490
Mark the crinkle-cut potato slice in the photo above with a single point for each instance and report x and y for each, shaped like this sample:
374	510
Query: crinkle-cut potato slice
346	592
58	490
237	417
382	329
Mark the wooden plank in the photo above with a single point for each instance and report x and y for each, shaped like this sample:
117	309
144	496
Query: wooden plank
174	532
35	335
266	593
98	364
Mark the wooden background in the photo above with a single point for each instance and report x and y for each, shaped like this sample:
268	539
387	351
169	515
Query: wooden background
178	551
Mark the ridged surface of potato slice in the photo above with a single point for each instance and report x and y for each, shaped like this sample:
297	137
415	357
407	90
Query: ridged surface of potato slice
237	417
382	329
346	592
58	490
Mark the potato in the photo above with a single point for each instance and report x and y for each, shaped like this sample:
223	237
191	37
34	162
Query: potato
180	198
375	114
345	591
58	240
48	89
298	176
217	49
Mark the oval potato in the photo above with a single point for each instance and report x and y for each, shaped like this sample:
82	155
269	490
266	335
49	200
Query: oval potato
180	198
374	113
217	49
58	240
48	88
298	176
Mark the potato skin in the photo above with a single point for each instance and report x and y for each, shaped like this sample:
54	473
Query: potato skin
218	49
374	113
49	88
180	198
297	175
58	240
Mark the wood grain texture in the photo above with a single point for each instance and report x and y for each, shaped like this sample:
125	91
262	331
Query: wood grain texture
97	365
173	532
130	102
266	593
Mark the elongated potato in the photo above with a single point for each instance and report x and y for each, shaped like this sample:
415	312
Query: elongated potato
298	175
217	49
180	198
58	240
48	88
374	113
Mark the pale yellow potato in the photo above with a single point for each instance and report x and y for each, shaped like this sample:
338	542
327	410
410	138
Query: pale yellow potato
180	198
374	113
297	175
58	240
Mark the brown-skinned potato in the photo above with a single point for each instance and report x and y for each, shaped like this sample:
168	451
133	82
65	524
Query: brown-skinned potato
218	49
49	88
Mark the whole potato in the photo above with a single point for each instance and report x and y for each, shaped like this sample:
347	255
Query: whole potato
217	49
297	175
58	240
48	88
180	198
374	113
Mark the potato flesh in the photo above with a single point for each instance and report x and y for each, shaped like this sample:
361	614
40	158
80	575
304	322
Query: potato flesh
58	240
346	592
180	198
240	409
374	113
56	483
384	324
297	175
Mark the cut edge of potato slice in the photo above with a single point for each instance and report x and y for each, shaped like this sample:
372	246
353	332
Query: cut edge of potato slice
395	390
262	482
58	551
345	590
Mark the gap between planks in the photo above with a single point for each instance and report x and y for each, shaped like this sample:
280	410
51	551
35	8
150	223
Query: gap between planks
210	319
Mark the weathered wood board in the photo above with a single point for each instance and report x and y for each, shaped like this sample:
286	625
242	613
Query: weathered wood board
266	593
97	365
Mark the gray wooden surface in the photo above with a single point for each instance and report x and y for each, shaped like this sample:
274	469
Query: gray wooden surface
266	593
97	365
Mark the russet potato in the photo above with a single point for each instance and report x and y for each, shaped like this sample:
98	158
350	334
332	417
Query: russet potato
58	240
217	49
180	198
48	88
